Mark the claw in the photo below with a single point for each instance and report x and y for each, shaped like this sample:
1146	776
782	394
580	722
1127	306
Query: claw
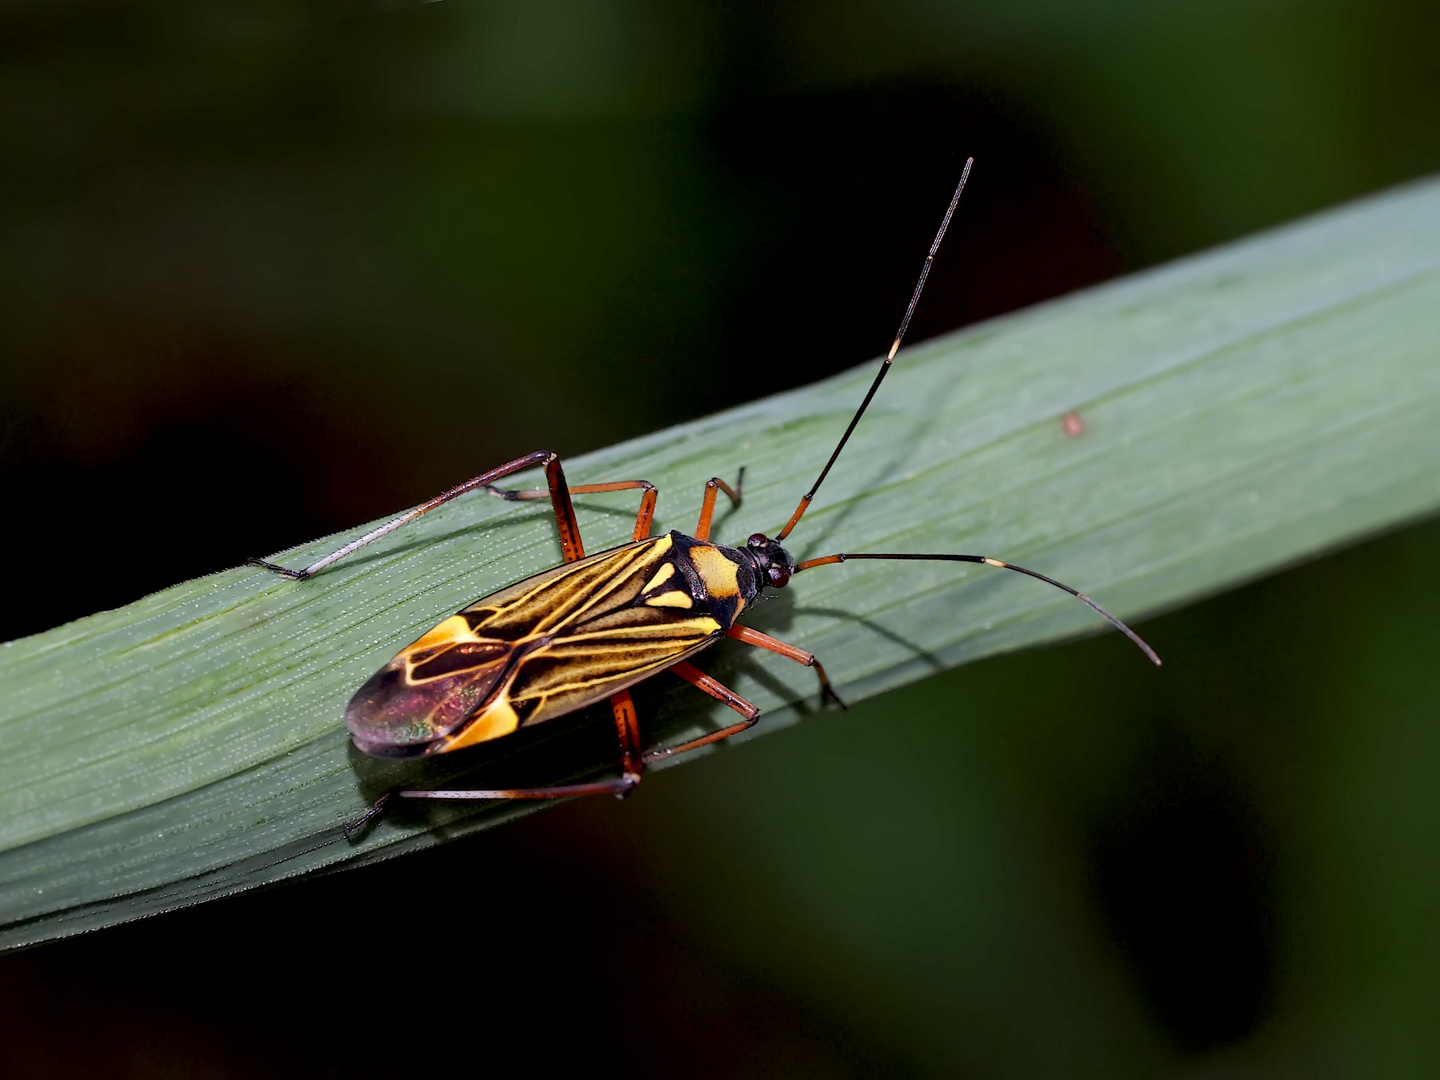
352	828
285	572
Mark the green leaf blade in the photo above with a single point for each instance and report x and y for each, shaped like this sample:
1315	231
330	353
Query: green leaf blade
1243	409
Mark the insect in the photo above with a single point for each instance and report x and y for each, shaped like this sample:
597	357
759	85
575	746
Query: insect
591	628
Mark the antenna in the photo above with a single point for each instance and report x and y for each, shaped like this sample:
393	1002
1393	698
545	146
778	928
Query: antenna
889	357
828	560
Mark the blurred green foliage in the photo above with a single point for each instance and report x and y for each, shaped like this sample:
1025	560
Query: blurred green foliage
938	866
329	256
542	220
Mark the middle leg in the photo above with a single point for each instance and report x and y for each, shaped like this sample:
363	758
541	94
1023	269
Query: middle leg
791	652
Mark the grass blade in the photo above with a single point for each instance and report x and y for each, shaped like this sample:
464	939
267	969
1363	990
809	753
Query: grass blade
1242	409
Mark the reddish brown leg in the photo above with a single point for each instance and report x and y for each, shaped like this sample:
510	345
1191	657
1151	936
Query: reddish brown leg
800	656
627	729
633	764
556	489
720	692
707	507
570	544
642	519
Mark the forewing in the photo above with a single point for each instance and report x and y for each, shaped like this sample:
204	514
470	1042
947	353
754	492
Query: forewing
546	646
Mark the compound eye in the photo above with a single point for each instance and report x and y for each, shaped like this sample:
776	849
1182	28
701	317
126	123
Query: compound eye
779	577
757	540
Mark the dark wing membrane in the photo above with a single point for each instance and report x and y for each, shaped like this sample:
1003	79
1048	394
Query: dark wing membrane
427	692
546	646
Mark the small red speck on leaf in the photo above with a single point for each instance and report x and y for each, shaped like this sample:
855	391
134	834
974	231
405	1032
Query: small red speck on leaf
1073	425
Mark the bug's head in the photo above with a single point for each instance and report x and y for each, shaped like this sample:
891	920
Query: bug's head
774	561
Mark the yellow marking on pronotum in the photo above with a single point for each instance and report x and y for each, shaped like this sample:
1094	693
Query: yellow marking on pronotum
674	598
718	572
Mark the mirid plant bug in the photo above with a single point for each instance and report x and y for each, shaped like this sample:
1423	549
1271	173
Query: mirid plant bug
590	629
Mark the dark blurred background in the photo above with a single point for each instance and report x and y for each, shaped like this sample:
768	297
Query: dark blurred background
272	269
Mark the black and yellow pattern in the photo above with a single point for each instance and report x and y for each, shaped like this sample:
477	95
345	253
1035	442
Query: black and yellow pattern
552	644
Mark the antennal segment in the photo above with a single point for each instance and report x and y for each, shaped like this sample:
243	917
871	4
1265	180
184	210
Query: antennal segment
1136	638
889	357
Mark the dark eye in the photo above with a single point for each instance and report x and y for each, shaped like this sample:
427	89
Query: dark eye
779	577
758	540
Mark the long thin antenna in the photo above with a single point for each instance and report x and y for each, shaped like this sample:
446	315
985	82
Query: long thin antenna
827	560
889	358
